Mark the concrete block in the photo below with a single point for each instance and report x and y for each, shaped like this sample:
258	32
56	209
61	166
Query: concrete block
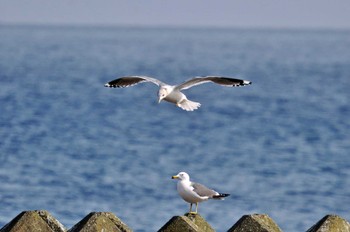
331	223
255	223
188	223
100	222
34	221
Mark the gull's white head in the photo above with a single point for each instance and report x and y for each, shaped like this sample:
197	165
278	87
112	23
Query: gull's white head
181	176
163	92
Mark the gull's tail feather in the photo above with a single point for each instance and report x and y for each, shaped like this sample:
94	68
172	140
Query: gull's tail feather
188	105
220	196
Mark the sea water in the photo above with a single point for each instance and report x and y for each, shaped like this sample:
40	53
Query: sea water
71	146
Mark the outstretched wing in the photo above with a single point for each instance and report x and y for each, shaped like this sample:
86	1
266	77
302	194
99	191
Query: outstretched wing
203	191
131	80
225	81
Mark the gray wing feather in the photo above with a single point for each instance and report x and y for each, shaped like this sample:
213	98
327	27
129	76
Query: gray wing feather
225	81
203	191
132	80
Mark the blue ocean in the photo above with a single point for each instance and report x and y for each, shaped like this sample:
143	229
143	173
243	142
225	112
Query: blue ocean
280	146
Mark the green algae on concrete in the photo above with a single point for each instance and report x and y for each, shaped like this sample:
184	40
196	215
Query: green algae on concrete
34	221
100	222
187	223
255	223
331	223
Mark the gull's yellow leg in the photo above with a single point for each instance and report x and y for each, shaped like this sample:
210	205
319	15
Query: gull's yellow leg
195	212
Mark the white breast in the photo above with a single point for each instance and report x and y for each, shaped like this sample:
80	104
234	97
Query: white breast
175	96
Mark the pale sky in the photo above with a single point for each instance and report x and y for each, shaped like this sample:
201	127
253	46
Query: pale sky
219	13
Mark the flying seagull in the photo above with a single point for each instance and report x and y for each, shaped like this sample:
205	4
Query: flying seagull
193	192
172	93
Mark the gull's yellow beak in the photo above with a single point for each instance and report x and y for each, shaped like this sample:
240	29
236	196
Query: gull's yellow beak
174	177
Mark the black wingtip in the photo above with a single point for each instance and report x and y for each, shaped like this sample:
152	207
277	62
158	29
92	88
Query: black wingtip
224	194
221	195
111	85
244	82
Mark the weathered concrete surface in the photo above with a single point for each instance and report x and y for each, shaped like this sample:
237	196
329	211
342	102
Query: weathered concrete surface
100	222
200	222
187	223
179	224
42	221
255	223
34	221
331	223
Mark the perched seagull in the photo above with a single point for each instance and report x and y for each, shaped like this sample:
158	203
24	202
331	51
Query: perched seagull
194	193
172	93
